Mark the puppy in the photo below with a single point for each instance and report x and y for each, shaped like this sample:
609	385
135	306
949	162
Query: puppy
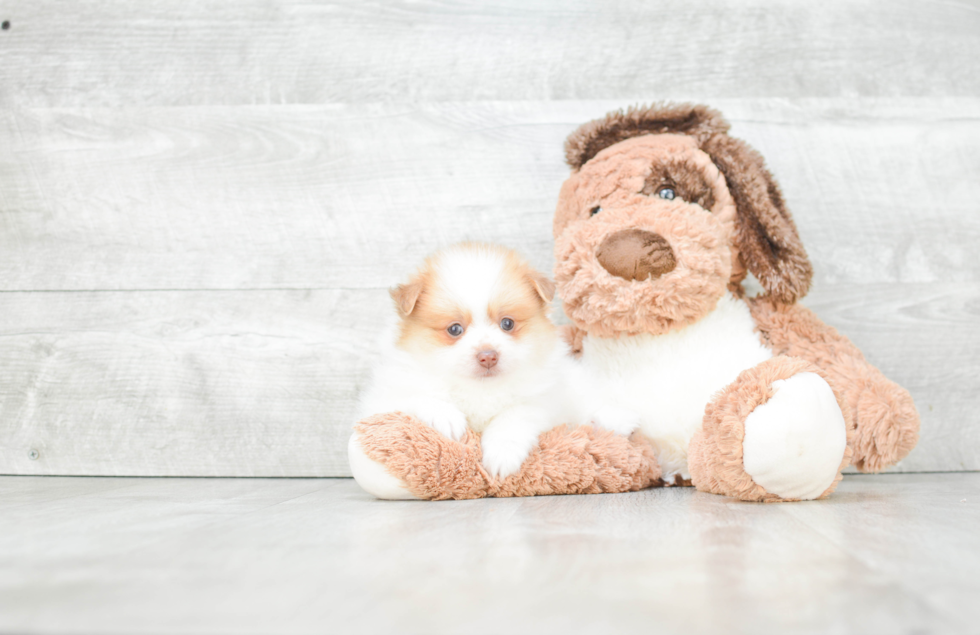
473	348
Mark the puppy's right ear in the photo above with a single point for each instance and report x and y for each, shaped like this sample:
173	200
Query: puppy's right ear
405	297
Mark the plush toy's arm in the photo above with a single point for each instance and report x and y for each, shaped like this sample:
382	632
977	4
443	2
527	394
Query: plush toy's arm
883	416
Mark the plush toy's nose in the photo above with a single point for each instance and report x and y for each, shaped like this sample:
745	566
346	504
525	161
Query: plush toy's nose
635	254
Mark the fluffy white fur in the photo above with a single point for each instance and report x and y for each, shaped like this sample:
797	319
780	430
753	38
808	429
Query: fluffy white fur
794	442
446	388
662	383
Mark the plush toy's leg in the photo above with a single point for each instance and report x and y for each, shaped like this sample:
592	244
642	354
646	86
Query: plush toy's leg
881	413
394	455
777	433
416	459
372	476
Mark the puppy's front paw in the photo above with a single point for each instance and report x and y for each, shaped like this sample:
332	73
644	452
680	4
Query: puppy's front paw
503	457
443	417
618	420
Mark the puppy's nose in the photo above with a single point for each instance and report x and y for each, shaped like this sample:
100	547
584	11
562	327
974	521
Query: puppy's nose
487	359
635	254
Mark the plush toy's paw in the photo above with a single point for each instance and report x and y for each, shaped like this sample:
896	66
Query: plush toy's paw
616	419
794	442
443	417
778	432
372	476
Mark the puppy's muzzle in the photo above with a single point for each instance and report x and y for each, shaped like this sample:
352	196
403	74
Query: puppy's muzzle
635	254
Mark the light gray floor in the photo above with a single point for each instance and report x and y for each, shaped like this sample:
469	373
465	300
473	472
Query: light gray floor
886	554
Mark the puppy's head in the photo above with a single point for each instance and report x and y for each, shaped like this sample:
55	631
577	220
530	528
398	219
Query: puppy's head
662	213
476	311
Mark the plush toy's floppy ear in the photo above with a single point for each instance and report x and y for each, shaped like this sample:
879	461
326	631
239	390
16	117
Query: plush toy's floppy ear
591	138
764	230
405	296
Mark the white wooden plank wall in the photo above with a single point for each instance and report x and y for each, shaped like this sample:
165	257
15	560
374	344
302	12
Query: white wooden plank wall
202	204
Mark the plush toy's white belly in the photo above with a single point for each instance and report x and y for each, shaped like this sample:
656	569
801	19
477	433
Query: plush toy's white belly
668	379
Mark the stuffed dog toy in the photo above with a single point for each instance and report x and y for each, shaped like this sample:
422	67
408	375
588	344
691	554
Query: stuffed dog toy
660	222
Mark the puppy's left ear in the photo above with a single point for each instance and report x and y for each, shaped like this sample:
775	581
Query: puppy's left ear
765	233
543	285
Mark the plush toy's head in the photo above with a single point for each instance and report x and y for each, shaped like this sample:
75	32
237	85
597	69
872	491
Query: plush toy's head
662	213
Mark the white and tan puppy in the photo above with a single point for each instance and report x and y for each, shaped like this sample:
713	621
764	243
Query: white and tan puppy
473	348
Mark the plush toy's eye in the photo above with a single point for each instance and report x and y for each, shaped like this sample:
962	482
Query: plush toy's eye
507	324
455	329
667	193
595	210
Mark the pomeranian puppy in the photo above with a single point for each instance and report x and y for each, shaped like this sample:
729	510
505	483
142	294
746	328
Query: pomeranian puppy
473	348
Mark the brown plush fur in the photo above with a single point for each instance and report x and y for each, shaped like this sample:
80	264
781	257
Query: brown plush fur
606	305
694	120
765	232
880	412
714	455
583	460
620	164
766	236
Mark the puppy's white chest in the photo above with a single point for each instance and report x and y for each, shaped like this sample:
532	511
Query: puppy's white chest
667	380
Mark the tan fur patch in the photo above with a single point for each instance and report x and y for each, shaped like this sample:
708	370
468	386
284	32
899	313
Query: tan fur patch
521	294
405	296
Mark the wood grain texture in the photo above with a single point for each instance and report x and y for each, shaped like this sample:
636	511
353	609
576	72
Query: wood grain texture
163	52
264	383
885	554
354	196
258	383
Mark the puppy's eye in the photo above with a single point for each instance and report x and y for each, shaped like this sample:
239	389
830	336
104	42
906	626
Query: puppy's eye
507	324
455	329
595	210
667	193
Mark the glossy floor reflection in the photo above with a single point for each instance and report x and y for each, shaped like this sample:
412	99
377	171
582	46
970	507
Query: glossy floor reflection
895	553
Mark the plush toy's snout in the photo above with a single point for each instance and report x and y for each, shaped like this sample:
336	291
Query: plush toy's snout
636	254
